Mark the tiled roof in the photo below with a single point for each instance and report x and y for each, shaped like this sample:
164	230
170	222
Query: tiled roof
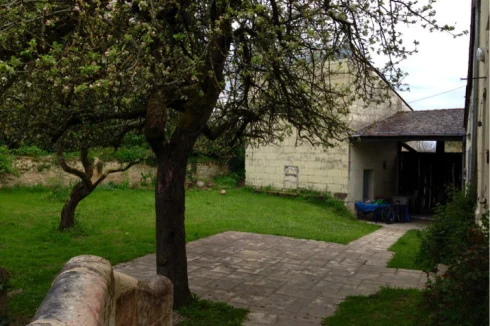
445	122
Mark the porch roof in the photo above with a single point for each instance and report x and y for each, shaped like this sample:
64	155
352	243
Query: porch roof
445	124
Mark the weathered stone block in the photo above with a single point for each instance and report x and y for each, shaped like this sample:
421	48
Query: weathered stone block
88	293
126	299
82	294
155	300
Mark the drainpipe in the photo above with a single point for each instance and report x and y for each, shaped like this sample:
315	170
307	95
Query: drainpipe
463	180
474	103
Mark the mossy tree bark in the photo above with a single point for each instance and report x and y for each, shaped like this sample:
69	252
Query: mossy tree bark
78	193
83	188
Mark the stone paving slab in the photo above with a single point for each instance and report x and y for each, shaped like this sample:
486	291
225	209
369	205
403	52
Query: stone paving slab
287	281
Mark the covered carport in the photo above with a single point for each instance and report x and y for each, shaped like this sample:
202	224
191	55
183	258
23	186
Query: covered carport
386	160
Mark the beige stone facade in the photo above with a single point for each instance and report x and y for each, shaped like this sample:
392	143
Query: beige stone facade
337	170
380	159
292	166
477	107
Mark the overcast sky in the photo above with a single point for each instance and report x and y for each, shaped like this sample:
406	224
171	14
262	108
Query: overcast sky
441	61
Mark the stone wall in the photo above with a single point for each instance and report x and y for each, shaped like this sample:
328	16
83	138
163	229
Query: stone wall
87	292
45	171
292	165
477	140
381	160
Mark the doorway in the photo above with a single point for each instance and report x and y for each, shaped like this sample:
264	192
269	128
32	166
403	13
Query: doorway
367	185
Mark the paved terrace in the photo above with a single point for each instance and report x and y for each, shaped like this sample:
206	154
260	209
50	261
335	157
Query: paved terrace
287	281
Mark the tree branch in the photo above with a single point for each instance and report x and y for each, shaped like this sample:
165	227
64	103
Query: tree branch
69	169
79	119
87	165
102	178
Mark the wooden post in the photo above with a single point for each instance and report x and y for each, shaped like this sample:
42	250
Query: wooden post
398	166
440	147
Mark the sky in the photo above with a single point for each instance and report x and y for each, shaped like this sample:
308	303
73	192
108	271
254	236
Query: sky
441	61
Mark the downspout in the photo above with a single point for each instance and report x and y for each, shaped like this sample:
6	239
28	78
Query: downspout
463	180
474	100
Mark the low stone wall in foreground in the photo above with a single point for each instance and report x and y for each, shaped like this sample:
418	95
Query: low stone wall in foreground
87	292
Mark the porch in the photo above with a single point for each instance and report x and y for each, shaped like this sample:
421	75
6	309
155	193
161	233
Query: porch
414	156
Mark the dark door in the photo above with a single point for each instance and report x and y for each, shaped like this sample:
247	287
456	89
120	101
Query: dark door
367	179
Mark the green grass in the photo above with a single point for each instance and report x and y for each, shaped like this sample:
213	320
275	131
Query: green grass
226	181
406	250
209	313
119	225
401	307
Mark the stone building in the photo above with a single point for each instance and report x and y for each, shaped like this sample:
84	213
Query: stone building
369	164
477	117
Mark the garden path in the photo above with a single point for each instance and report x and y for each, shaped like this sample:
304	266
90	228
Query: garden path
287	281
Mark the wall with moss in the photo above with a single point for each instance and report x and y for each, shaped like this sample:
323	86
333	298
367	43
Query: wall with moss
45	171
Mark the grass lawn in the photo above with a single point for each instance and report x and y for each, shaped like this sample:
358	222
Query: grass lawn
406	249
119	225
401	307
209	313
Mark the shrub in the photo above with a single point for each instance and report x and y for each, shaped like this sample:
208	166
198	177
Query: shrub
122	154
6	161
460	296
131	154
73	156
237	163
147	179
31	151
442	240
228	181
201	158
43	166
111	185
135	140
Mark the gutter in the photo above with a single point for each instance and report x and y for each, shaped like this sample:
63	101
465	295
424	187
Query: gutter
471	59
473	103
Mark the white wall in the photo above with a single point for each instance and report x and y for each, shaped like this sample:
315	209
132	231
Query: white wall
319	169
370	156
478	136
483	175
282	166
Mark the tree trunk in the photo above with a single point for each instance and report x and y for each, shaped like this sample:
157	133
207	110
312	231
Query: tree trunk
78	193
170	228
